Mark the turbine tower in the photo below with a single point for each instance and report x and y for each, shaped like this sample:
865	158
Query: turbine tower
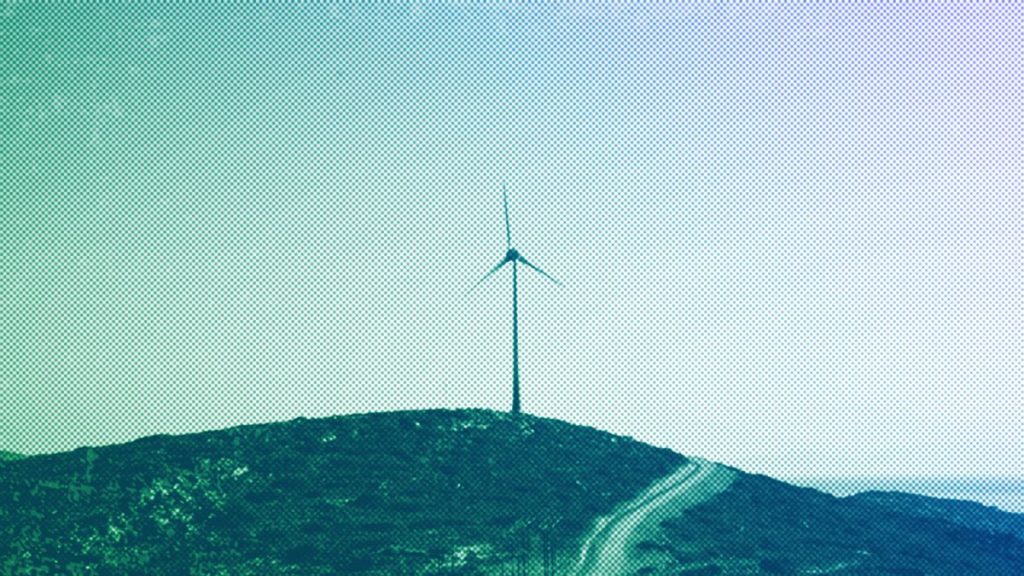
512	255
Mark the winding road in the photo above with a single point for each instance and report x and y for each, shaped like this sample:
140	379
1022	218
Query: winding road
609	548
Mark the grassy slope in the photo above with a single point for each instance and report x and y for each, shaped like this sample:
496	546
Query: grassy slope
764	526
413	492
468	492
4	456
970	514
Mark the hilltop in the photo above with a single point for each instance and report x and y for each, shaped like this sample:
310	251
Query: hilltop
4	455
441	492
402	492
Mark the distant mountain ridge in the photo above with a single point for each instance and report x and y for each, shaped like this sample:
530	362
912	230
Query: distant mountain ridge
440	492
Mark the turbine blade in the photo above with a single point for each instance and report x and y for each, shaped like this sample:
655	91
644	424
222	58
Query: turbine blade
546	275
508	230
486	276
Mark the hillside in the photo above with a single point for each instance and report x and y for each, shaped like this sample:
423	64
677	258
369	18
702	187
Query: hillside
763	526
442	492
4	456
395	493
970	514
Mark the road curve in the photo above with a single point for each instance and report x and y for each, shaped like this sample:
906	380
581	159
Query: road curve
609	548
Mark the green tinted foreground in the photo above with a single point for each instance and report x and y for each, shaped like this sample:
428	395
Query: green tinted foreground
392	493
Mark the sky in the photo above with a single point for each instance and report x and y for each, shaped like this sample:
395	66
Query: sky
790	236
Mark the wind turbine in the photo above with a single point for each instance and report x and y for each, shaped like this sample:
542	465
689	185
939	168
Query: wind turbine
512	255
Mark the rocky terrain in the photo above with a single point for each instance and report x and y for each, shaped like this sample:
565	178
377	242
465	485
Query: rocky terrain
447	492
396	493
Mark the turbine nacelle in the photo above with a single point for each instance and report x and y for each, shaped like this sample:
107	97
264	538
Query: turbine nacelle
512	255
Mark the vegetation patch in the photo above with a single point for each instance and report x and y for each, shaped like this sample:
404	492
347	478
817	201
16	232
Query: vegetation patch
776	528
5	456
470	491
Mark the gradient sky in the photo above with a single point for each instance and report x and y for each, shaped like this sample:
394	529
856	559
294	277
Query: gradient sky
791	236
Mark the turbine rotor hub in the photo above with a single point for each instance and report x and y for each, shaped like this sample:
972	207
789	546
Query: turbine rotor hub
511	255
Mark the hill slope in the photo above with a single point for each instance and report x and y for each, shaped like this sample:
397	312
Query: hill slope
404	492
763	526
4	456
440	492
970	514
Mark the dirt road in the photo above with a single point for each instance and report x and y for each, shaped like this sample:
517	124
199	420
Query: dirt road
610	547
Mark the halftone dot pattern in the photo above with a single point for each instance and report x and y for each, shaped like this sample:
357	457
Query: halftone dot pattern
789	235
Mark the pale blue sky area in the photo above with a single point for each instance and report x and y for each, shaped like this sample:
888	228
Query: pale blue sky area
790	236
